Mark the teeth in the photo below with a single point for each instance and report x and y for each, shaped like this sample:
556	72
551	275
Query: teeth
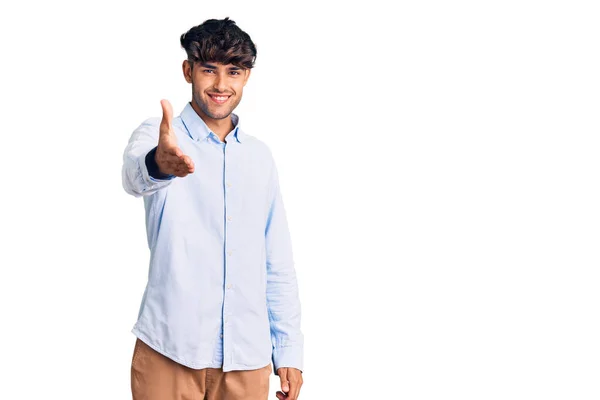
220	98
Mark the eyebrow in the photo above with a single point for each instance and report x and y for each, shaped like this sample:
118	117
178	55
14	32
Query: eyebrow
214	67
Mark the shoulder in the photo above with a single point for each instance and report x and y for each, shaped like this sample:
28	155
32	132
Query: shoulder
151	122
257	146
151	126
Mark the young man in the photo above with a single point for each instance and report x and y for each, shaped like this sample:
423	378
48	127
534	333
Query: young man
221	302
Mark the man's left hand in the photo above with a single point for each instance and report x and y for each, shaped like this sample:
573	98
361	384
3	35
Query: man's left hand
291	381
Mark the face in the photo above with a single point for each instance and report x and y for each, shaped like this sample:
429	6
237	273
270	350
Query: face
216	88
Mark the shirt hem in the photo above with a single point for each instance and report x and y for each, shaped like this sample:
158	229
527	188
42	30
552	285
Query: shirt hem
232	367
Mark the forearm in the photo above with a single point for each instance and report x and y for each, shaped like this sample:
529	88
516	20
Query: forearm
139	164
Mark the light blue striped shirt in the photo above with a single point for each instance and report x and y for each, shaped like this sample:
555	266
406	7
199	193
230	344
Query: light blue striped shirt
222	288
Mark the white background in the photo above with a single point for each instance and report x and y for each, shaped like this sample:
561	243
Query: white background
438	162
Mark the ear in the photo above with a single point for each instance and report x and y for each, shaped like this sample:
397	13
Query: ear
247	71
187	70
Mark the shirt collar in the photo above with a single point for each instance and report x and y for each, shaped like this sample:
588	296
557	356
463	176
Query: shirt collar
198	129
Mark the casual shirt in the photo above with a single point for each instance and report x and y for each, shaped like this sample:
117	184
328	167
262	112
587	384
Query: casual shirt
222	289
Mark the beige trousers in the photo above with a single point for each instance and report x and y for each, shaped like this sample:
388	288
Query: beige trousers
157	377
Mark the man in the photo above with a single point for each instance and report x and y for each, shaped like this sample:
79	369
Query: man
221	302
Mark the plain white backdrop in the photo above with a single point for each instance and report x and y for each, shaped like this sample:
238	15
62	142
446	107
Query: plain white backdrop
438	163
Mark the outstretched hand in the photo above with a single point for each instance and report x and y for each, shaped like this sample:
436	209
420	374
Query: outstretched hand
169	157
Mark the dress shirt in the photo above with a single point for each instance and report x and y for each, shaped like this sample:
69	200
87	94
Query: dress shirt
222	289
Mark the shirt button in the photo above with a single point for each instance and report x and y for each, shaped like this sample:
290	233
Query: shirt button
228	184
221	335
229	218
226	319
230	252
229	286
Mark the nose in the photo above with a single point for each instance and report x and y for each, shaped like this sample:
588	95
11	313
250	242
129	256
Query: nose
220	84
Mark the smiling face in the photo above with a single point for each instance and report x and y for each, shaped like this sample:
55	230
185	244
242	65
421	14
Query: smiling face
216	88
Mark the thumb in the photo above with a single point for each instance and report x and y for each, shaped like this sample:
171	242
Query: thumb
167	110
284	382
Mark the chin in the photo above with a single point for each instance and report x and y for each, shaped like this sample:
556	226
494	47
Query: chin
218	115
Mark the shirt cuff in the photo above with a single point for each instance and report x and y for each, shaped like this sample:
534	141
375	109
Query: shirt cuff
288	356
152	166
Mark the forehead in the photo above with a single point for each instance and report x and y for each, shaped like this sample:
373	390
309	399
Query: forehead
217	65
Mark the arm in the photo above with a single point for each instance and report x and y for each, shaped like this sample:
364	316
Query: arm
136	176
282	288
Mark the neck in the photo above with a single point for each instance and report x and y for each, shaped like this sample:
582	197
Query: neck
220	127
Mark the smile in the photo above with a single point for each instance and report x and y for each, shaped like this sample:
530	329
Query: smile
219	99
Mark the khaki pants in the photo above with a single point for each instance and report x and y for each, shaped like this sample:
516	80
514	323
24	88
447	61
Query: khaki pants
157	377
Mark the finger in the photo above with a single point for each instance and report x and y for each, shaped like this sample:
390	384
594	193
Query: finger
173	151
295	378
284	380
180	173
179	168
190	165
167	118
294	390
183	167
168	159
170	153
187	160
185	163
281	396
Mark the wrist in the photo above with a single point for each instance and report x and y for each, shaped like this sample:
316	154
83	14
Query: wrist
153	167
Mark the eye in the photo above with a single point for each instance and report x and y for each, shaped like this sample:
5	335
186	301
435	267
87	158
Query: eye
209	70
235	72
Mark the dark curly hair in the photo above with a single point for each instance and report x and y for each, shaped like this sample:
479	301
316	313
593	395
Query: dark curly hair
219	40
